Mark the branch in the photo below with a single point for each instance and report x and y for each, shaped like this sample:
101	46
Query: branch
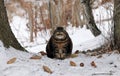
102	74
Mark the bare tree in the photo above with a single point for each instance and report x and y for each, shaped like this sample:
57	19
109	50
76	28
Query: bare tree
6	35
90	19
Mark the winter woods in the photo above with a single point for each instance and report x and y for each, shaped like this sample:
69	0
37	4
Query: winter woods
41	15
33	21
48	14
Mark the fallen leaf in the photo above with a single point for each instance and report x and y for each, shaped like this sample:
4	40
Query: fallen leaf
77	52
100	56
35	57
82	64
84	52
11	60
47	69
43	53
94	54
74	55
72	63
89	50
93	64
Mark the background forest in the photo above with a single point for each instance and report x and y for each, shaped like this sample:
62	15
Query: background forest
33	21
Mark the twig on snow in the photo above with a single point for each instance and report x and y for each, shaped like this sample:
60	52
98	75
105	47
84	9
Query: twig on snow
102	74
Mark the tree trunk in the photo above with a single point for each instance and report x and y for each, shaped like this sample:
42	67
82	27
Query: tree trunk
52	15
6	35
30	13
116	24
90	19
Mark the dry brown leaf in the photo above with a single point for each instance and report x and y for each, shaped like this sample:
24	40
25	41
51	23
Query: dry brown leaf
43	53
82	64
100	56
89	50
93	64
72	63
74	55
12	60
35	57
94	54
77	52
47	69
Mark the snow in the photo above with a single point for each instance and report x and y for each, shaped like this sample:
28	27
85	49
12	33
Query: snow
102	12
78	35
81	37
107	65
82	40
24	66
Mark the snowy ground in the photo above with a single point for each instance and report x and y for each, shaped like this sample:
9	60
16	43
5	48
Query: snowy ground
107	65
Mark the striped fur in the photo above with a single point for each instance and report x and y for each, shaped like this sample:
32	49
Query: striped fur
59	46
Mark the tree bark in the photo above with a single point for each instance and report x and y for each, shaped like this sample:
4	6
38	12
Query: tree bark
52	15
116	19
90	19
6	35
